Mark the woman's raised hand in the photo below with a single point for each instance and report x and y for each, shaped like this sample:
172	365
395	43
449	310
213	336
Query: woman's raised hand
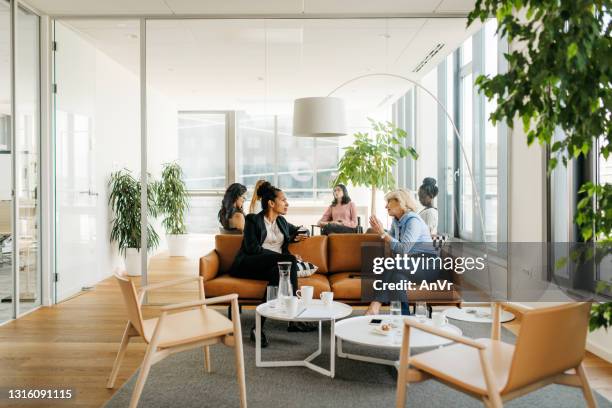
376	225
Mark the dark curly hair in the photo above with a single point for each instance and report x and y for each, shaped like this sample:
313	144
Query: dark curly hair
345	196
228	208
428	188
267	192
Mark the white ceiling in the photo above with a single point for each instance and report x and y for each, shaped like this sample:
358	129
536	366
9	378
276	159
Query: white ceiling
153	7
263	65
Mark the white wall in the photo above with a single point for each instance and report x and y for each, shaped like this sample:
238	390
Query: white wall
5	180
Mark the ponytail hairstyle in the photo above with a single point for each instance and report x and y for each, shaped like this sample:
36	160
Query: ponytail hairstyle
256	196
228	204
428	188
267	192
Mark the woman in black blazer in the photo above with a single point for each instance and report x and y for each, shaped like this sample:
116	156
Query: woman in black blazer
265	243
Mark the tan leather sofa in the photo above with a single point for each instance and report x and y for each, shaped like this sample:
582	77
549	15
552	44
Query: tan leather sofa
338	257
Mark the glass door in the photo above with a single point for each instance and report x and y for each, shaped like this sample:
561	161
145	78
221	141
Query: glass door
6	201
75	191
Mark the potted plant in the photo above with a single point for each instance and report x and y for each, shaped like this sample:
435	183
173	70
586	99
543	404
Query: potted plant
368	161
173	202
124	200
560	79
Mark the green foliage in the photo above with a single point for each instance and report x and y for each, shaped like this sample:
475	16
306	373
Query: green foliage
559	77
172	198
369	160
124	200
601	316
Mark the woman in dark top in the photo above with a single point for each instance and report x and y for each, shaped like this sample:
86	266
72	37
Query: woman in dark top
265	243
231	216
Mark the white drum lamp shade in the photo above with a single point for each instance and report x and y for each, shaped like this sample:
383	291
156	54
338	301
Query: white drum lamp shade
319	117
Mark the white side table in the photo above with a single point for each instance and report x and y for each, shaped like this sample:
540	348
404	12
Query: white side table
358	330
476	314
316	311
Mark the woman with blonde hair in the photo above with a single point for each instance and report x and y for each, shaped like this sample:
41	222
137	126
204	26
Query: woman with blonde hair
255	205
408	235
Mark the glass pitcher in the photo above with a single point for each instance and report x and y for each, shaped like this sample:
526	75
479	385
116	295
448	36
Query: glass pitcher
284	282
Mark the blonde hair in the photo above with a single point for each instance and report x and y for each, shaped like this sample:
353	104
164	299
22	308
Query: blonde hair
255	197
406	200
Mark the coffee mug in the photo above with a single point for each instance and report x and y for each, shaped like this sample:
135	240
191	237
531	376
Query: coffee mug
305	293
291	304
439	319
327	298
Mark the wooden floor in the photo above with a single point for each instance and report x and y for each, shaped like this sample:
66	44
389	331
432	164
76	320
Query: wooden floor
73	344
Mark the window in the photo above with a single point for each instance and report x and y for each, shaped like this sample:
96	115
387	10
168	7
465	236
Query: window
265	148
479	152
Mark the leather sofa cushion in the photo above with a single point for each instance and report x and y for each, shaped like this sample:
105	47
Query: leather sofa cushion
256	289
344	251
313	250
245	288
344	287
227	247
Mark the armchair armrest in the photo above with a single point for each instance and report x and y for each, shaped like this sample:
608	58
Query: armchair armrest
432	330
209	265
196	303
174	282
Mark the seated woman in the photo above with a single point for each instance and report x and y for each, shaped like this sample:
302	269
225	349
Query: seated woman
408	235
265	243
231	216
341	216
427	192
255	205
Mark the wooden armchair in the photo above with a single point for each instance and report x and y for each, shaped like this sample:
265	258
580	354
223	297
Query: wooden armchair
551	341
180	327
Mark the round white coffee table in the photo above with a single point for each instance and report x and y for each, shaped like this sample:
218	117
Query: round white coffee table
315	311
358	330
476	314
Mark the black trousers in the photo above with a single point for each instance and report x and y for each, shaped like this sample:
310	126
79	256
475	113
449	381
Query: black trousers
337	229
265	267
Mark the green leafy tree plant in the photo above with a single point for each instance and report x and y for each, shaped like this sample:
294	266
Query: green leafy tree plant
369	160
172	199
173	202
559	78
124	200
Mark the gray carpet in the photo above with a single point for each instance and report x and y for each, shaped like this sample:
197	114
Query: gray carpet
180	380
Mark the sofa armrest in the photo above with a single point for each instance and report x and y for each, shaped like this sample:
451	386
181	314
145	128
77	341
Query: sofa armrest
209	265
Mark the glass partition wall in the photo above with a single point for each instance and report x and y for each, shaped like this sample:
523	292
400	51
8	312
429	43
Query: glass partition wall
217	96
20	272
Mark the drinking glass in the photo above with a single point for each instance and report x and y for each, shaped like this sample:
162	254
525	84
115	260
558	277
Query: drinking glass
271	296
395	310
421	311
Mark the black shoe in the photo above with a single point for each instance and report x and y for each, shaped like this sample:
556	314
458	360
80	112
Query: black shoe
264	339
302	326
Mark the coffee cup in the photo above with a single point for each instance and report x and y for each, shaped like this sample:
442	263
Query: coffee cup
305	294
327	298
439	319
291	305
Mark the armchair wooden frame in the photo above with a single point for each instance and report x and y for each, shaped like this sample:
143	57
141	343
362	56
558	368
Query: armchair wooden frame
521	377
164	338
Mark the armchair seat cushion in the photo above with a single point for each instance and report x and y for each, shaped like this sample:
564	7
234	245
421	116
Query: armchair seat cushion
460	365
345	287
189	326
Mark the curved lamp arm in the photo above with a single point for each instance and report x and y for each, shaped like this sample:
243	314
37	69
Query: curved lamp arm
455	130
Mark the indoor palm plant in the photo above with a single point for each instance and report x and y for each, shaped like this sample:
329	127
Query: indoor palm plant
173	202
369	160
124	200
559	77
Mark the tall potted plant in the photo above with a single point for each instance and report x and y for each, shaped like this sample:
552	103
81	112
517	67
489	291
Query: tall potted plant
369	160
560	79
124	200
173	203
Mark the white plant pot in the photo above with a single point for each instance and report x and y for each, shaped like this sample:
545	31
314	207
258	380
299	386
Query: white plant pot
177	244
133	262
